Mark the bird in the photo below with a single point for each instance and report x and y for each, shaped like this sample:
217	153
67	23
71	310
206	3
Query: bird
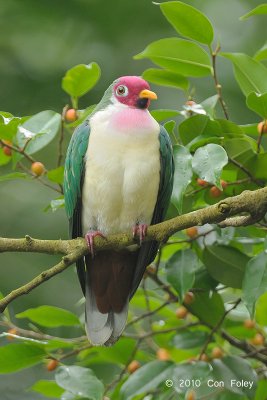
118	178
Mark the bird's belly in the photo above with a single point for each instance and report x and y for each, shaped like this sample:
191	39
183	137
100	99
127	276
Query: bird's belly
120	185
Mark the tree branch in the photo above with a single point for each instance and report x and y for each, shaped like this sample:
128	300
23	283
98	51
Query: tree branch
251	203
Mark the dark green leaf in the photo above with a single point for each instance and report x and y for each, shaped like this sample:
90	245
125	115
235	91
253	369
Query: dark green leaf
50	316
250	74
198	127
225	264
181	269
208	308
258	103
47	388
178	55
146	378
80	79
255	281
17	356
80	381
192	372
188	21
182	174
208	162
40	129
166	78
259	10
190	339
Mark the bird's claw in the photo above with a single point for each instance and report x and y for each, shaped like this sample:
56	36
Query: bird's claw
140	230
89	237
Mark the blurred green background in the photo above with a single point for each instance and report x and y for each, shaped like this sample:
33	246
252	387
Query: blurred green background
39	41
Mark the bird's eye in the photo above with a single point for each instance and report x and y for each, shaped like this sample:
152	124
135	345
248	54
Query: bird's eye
122	90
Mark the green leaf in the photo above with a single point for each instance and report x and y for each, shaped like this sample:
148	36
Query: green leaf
261	53
261	310
190	339
9	126
190	371
207	307
47	388
166	78
80	79
161	115
146	378
197	128
178	55
17	356
235	368
250	74
80	381
208	162
50	316
40	129
188	21
181	269
12	176
209	105
259	10
56	204
258	103
261	390
56	175
182	174
255	281
225	264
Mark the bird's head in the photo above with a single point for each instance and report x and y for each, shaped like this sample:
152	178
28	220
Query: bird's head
133	91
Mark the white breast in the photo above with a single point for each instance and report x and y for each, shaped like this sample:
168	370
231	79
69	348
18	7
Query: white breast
122	170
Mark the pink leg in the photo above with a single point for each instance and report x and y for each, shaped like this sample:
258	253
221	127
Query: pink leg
141	231
89	237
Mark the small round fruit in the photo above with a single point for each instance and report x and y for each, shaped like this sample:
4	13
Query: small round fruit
191	395
249	323
163	354
181	312
204	357
191	232
189	298
215	192
258	339
71	115
12	331
201	182
133	366
217	352
262	127
37	168
52	365
6	150
224	184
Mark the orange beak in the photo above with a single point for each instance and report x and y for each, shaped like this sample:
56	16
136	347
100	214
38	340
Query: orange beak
147	94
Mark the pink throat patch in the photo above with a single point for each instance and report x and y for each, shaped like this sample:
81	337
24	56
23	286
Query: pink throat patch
132	119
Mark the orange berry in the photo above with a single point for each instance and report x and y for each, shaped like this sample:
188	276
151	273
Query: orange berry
224	184
133	366
201	182
163	354
191	232
181	312
204	357
38	168
262	127
191	395
258	339
189	298
249	324
71	115
52	364
217	352
12	331
7	151
215	192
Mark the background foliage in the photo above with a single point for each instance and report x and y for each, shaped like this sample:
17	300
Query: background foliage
218	266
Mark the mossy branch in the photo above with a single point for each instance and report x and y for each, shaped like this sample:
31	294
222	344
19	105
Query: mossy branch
245	209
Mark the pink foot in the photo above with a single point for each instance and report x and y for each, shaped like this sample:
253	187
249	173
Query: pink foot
141	231
89	237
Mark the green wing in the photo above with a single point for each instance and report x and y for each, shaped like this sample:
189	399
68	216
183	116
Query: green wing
73	177
149	250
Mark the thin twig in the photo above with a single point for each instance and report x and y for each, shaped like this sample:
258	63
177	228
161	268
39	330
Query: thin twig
216	81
